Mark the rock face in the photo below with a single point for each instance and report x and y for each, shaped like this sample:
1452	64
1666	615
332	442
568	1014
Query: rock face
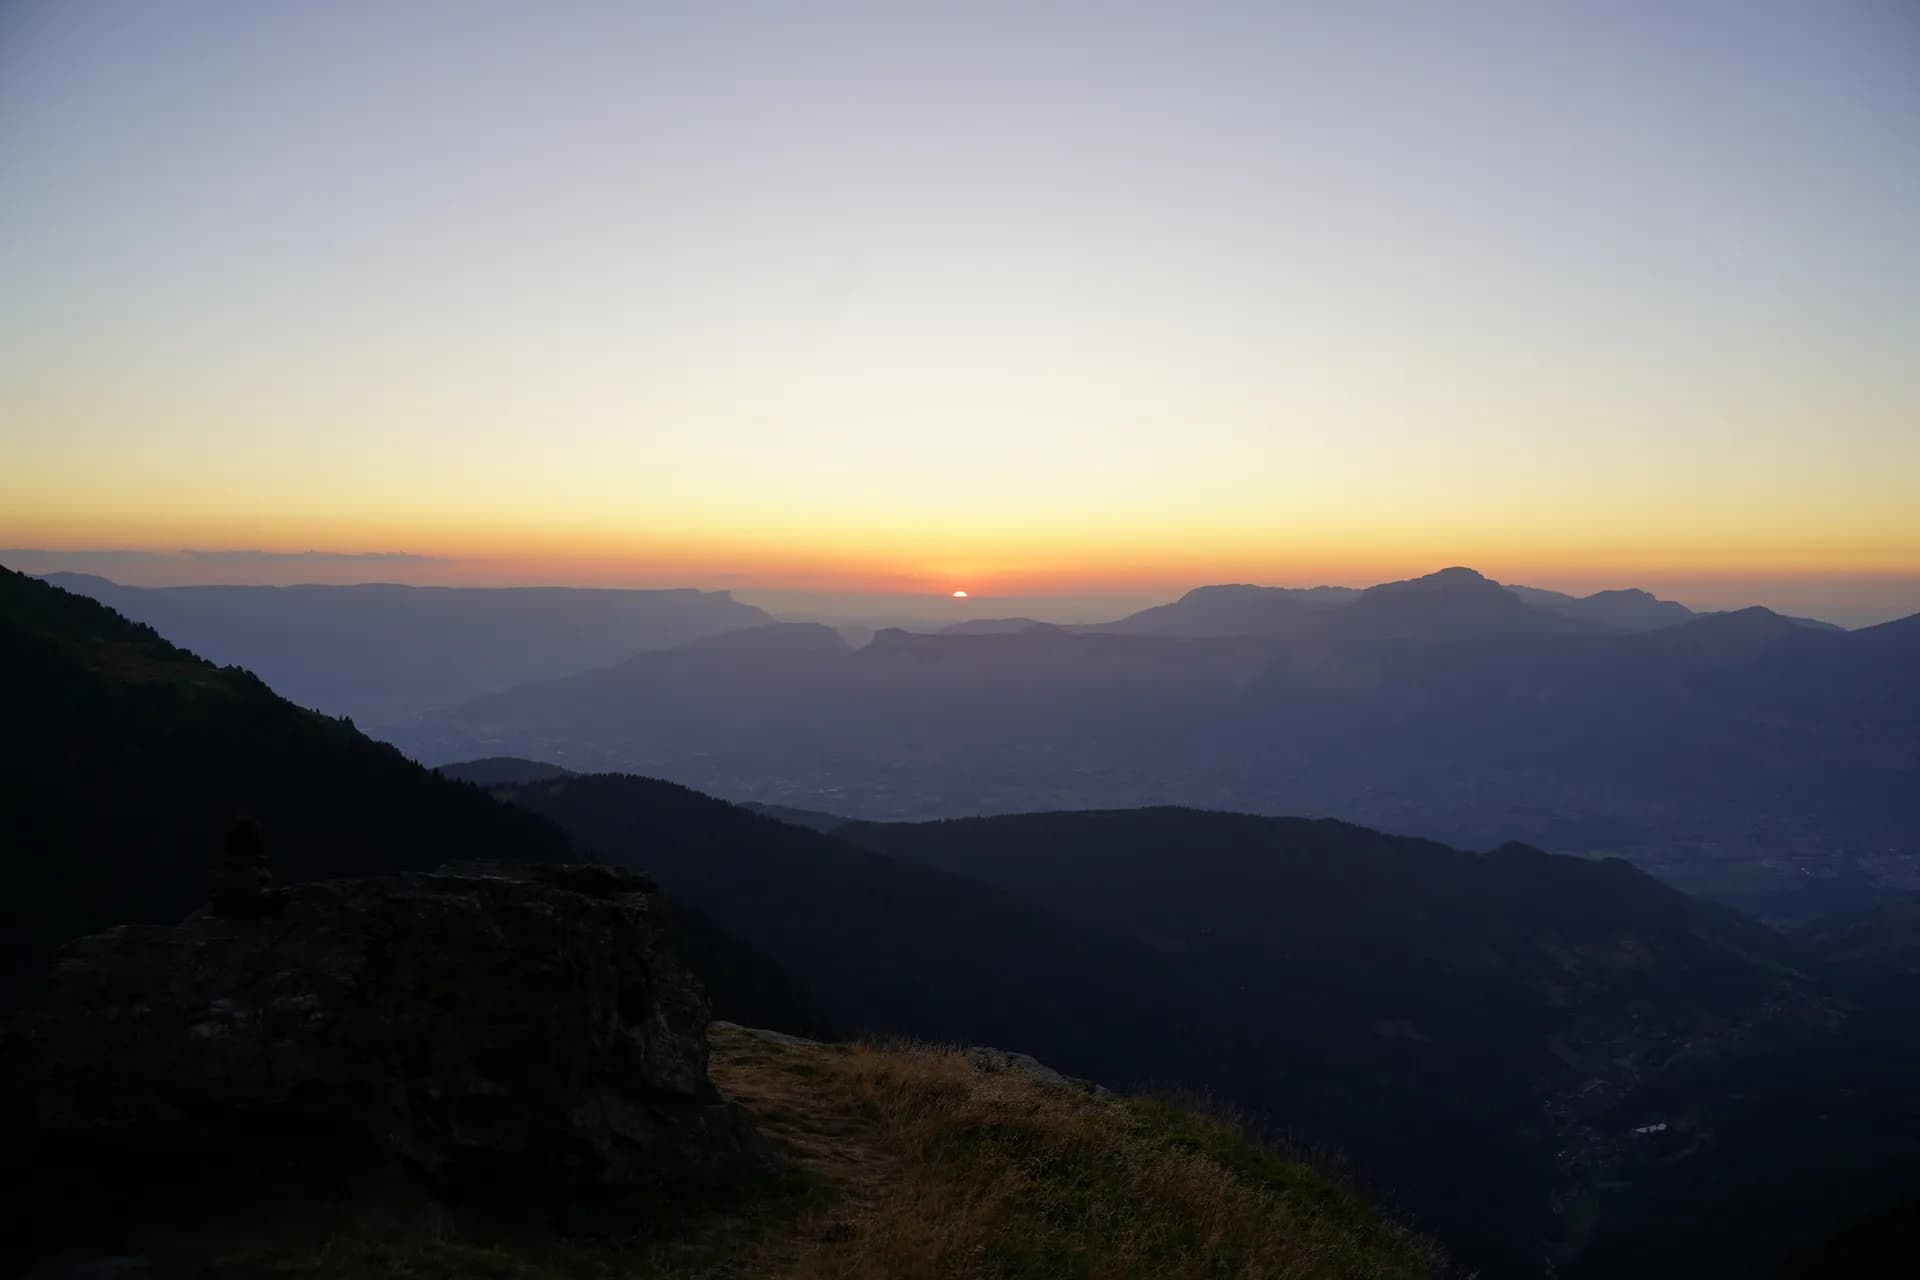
521	1028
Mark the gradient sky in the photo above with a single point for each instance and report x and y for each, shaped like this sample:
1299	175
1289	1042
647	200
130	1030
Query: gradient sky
1099	298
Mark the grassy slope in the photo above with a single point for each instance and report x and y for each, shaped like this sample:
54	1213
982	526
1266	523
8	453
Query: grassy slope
902	1162
945	1170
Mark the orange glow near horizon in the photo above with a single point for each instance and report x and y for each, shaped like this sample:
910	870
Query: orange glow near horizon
1871	575
1008	555
1021	562
1117	518
1302	304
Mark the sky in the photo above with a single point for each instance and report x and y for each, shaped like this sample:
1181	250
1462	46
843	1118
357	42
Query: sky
1042	300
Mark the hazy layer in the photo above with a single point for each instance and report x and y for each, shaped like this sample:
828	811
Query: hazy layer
1851	600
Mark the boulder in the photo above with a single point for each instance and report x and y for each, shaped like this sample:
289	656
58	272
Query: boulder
523	1029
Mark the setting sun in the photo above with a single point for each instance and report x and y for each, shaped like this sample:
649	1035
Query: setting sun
959	595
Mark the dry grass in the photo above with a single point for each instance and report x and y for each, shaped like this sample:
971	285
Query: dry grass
903	1162
956	1173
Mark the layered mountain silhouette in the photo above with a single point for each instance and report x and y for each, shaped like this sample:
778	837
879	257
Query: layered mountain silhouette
989	626
1629	609
1747	755
1484	1037
130	758
128	761
1240	609
497	771
895	946
382	653
1235	609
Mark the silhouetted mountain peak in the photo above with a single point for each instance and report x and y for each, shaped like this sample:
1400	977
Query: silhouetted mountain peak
990	626
79	583
1905	629
1457	582
1231	609
1617	609
1226	591
1752	618
1444	604
494	771
1230	594
1719	638
1755	623
1515	849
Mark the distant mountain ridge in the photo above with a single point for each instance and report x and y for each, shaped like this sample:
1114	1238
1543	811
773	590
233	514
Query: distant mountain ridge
1240	609
495	771
1628	609
383	653
1229	610
1447	706
989	626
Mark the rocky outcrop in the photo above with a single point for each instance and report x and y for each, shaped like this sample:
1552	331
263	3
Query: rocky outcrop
507	1028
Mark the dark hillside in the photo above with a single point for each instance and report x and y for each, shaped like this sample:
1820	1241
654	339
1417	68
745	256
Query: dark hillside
128	759
494	771
1470	1032
1469	1028
1744	756
895	948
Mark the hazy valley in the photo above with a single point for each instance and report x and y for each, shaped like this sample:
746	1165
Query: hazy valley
1760	760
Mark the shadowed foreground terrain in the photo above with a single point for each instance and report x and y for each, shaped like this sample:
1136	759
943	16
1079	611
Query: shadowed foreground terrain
128	759
895	1161
941	1164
